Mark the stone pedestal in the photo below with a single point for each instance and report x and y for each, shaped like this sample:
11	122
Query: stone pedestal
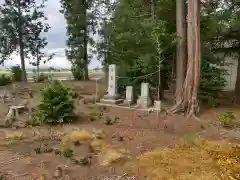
144	100
129	96
112	97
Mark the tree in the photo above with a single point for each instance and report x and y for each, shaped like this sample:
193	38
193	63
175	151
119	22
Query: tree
41	57
189	98
181	53
21	21
80	23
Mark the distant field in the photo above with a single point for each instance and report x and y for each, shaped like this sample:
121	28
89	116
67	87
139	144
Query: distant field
64	74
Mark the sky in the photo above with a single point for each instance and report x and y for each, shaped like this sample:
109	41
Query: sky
56	37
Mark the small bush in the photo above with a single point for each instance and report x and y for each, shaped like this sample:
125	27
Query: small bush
16	73
5	80
56	106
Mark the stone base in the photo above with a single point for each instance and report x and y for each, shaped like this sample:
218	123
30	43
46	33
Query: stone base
144	102
127	103
110	97
111	101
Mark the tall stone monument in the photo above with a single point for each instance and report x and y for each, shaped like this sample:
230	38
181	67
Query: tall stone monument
112	97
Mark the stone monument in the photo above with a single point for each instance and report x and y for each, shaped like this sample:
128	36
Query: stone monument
112	97
129	96
144	100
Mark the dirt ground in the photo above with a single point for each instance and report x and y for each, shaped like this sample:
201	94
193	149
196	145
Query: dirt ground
134	133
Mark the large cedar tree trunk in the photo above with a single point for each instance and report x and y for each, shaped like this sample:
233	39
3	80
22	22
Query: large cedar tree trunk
189	102
181	46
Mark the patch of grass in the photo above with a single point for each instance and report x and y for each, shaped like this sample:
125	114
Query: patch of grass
17	135
228	119
80	136
195	159
110	156
67	152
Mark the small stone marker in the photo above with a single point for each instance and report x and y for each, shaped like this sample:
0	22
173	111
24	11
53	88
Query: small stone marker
144	100
129	95
158	105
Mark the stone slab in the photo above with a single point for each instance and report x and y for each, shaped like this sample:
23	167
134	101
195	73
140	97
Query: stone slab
111	101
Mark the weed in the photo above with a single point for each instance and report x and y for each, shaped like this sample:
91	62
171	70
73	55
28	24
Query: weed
228	119
80	136
67	152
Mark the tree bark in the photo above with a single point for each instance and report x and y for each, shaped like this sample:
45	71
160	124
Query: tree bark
189	102
237	84
21	45
85	57
181	47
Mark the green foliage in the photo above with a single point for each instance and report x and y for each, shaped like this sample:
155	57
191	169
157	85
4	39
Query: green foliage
16	73
77	72
5	80
67	152
212	78
22	22
228	119
56	106
130	40
80	23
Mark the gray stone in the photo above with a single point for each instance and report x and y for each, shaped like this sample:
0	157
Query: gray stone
112	97
144	100
158	105
129	96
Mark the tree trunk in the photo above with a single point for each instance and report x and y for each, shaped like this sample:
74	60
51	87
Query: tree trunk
237	85
38	64
85	57
181	47
21	45
188	102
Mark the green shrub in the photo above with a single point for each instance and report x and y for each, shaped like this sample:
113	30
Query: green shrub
5	80
213	79
77	72
56	106
16	73
42	77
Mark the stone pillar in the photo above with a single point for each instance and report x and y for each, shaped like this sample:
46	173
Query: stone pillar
112	96
144	100
112	81
129	96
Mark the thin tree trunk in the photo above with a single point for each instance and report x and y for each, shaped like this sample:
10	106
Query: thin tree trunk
188	102
21	45
237	84
181	47
86	76
38	63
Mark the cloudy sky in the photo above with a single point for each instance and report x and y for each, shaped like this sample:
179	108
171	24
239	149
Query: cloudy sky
56	38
